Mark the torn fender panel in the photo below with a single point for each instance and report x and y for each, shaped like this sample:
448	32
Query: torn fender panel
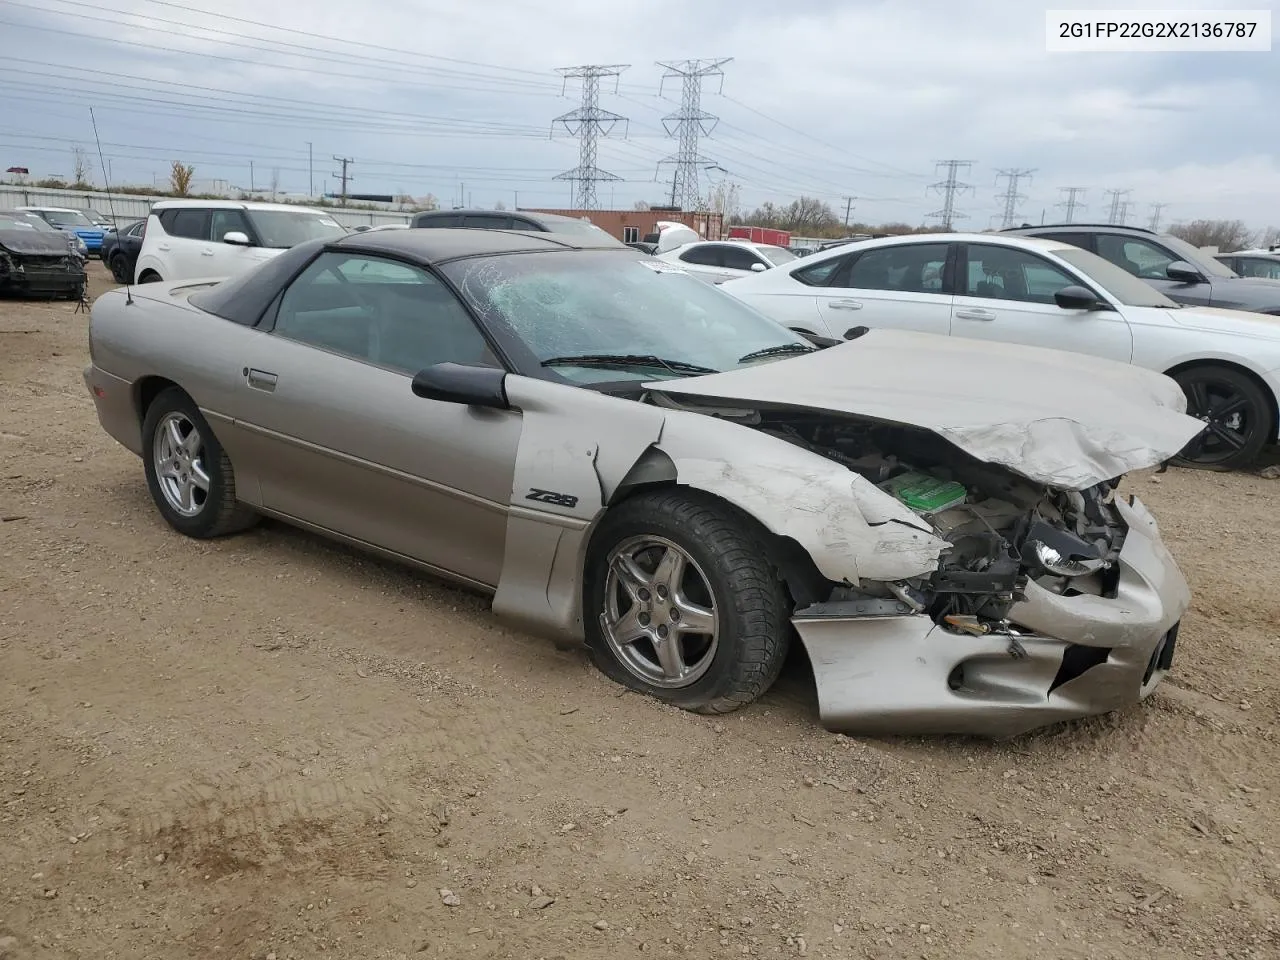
852	530
1058	418
575	448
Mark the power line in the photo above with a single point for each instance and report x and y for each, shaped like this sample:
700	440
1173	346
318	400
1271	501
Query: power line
1011	196
588	123
690	121
1119	211
949	187
343	176
1072	203
1154	224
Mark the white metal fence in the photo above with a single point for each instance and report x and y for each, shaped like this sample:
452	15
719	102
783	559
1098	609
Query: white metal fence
130	207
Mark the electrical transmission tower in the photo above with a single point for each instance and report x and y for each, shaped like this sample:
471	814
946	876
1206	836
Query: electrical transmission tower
588	123
1154	225
344	176
1119	212
1072	203
687	124
1011	196
949	188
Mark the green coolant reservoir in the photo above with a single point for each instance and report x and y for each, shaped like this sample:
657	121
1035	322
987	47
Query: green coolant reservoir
923	493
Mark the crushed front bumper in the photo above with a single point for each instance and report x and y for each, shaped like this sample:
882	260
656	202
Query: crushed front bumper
1074	656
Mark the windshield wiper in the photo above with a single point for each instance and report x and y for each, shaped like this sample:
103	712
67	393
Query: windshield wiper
626	360
778	351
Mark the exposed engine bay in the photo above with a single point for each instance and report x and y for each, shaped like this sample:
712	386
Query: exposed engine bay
1003	529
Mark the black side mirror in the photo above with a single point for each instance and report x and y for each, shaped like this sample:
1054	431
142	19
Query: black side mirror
460	383
1183	272
1076	297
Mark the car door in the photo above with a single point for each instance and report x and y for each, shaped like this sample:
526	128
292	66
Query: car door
705	261
898	287
342	441
1007	294
227	259
1149	260
738	260
182	250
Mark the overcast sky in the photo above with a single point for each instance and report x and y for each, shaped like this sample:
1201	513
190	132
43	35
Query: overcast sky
849	98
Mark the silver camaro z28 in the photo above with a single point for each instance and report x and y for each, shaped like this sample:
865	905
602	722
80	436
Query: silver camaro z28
625	456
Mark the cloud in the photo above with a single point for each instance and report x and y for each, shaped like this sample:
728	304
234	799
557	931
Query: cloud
850	99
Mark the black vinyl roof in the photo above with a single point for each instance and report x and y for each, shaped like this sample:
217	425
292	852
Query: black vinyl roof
435	245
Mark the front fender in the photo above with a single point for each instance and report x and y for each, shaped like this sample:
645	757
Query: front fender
580	450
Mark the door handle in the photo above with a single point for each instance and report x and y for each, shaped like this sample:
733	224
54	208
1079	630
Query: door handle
844	304
260	379
975	315
206	253
163	246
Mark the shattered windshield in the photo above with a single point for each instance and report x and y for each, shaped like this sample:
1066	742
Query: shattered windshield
624	315
281	229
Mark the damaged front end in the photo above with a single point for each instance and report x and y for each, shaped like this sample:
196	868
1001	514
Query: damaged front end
1048	604
42	274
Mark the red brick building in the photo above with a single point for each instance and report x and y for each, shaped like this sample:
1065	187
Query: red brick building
631	225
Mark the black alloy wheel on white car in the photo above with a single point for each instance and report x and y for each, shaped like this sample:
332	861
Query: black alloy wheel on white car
681	602
1236	412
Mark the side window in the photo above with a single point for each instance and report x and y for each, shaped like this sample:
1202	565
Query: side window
740	258
906	268
227	221
1257	267
487	222
706	255
630	234
1075	239
380	311
1140	257
186	222
448	220
820	274
1003	273
137	228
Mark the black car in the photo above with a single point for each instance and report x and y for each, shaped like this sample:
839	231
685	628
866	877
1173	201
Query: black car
524	221
1182	272
120	250
37	260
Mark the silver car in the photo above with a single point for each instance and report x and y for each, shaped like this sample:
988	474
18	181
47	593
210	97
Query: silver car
625	456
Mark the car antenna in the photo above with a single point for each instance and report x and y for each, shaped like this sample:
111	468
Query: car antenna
106	182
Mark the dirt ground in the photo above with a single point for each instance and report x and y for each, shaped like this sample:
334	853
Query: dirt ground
271	747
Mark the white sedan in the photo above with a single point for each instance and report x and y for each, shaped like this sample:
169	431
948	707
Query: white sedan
1048	294
717	261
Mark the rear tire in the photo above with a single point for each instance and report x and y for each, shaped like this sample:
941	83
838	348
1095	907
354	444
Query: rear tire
1238	418
118	269
188	473
682	604
149	276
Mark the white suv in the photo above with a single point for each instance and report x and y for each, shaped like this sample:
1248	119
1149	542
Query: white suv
716	261
194	239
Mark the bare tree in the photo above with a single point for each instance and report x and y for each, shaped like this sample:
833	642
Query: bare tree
724	199
644	205
80	168
1268	237
275	182
1226	235
429	202
499	205
180	175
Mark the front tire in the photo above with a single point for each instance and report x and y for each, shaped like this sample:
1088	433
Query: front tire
682	603
119	269
1237	415
188	473
149	276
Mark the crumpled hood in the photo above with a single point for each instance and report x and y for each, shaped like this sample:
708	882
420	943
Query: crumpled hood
1063	419
34	243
